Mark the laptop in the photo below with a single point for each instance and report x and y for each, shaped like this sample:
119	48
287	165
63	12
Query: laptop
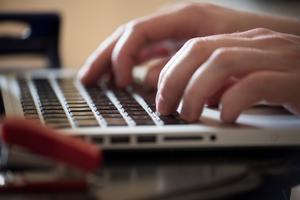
126	119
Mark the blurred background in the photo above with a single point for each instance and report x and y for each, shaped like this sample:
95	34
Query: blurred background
85	23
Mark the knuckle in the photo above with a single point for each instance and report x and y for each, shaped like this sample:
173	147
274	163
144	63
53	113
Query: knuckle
134	25
262	31
192	42
223	55
197	10
190	7
224	60
208	6
278	38
196	45
195	6
285	39
121	27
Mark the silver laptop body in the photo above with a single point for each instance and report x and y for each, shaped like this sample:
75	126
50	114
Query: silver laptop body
126	119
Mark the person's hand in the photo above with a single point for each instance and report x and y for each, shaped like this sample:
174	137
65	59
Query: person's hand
256	65
162	34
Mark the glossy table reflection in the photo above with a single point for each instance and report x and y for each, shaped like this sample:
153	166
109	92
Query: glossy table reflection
209	174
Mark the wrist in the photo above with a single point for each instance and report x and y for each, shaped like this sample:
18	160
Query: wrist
275	23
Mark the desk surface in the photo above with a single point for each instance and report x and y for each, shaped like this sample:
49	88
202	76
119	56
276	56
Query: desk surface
234	174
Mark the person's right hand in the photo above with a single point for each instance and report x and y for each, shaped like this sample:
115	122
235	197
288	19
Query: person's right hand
162	34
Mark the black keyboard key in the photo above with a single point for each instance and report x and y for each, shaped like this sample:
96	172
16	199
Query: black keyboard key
135	109
137	113
126	106
26	101
112	107
50	116
141	117
30	112
59	111
56	120
84	109
53	113
102	112
84	117
171	120
82	114
108	115
80	111
75	99
54	103
49	108
29	109
78	105
144	122
82	101
103	103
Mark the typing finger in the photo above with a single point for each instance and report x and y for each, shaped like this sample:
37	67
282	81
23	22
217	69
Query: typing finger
141	32
178	71
223	64
100	60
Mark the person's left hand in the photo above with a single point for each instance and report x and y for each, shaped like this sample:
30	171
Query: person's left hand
258	65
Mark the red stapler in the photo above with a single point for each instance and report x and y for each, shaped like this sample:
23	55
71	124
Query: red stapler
55	146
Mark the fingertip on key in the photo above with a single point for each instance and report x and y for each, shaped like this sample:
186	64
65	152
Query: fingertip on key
188	116
162	106
227	116
82	75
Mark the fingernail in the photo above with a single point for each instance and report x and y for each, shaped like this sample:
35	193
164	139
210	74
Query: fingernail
226	116
161	105
191	113
186	113
228	119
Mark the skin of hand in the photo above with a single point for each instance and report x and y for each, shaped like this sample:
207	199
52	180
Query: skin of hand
162	34
264	64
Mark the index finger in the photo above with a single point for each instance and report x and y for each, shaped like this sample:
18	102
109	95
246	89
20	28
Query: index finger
138	33
100	60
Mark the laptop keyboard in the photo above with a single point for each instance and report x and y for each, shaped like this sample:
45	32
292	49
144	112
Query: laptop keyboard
105	108
29	108
50	106
62	104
